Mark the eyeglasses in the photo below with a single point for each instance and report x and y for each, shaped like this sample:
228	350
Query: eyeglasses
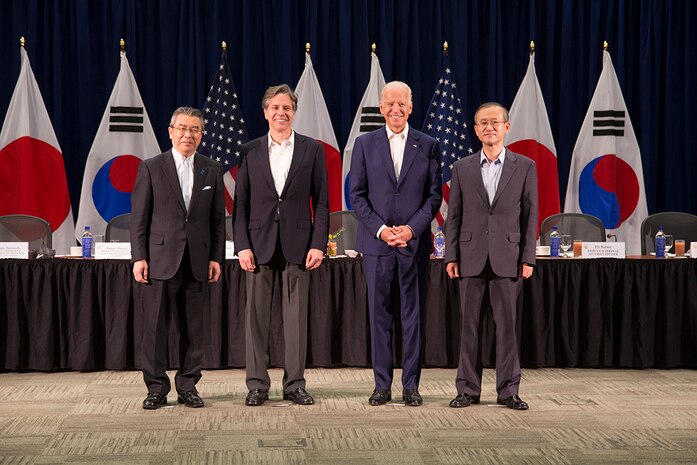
183	130
494	124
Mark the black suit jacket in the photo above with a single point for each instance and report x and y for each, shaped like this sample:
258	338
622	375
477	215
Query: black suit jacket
261	216
160	225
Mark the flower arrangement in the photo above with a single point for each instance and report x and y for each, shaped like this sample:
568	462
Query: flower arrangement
334	236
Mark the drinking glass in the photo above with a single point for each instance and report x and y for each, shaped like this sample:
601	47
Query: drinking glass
565	243
669	243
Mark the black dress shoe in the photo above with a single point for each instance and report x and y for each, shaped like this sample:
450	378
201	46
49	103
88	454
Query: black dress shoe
463	400
412	397
514	402
299	396
190	399
154	400
380	397
256	397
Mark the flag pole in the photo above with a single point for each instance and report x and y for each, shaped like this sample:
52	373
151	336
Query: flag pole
21	41
532	47
605	45
373	48
122	45
224	46
307	48
445	47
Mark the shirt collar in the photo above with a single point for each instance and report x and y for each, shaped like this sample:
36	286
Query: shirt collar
286	142
178	157
402	134
502	157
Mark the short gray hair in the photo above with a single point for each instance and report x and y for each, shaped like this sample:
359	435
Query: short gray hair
187	111
395	85
486	105
273	91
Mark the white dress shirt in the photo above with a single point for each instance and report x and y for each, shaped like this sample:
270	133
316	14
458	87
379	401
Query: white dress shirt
397	144
280	156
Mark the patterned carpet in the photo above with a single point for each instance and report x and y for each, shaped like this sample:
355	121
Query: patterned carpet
575	417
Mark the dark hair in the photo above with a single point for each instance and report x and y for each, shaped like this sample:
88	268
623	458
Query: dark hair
273	91
491	105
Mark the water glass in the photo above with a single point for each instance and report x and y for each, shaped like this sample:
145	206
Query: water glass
565	243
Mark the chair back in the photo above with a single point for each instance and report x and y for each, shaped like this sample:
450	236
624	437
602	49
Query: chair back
347	239
26	228
578	225
118	229
679	225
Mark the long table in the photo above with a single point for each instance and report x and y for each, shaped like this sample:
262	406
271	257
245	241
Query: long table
58	314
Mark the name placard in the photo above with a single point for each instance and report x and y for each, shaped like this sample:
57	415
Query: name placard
230	250
14	250
603	250
112	250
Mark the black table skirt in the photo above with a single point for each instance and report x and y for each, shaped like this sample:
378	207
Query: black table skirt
84	315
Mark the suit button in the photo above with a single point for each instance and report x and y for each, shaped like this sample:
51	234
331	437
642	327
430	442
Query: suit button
486	232
490	213
396	194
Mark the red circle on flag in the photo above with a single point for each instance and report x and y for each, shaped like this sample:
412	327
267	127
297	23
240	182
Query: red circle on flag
32	175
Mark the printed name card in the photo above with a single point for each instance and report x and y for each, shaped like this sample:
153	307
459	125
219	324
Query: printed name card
602	250
112	250
14	250
230	250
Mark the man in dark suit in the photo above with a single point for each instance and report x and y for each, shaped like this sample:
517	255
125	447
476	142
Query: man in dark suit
490	243
281	181
395	193
177	244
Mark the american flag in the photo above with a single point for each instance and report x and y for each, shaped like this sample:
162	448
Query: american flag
224	133
447	123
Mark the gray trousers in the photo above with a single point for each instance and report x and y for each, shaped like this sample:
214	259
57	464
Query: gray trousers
262	285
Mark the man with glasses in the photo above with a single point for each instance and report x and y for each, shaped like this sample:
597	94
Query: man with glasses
490	237
177	245
281	185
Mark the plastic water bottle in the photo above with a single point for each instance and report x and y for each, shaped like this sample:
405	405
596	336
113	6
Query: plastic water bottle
87	243
439	243
554	238
660	243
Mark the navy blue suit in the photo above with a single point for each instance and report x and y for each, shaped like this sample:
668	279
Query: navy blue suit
378	199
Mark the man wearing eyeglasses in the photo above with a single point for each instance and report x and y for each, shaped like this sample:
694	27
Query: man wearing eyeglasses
490	237
281	183
177	245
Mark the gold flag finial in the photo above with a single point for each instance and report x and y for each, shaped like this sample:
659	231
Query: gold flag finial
122	45
532	47
224	45
445	46
373	48
21	41
307	47
605	45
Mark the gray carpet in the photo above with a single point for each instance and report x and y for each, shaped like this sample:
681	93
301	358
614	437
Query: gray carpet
576	417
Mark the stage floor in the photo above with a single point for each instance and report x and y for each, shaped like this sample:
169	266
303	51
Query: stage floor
576	416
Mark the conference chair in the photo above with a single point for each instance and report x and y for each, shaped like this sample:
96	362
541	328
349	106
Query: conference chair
118	229
26	228
347	238
679	225
579	226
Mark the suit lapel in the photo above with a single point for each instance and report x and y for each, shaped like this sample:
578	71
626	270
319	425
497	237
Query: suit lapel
509	167
411	149
385	153
299	151
265	164
199	177
475	171
169	169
